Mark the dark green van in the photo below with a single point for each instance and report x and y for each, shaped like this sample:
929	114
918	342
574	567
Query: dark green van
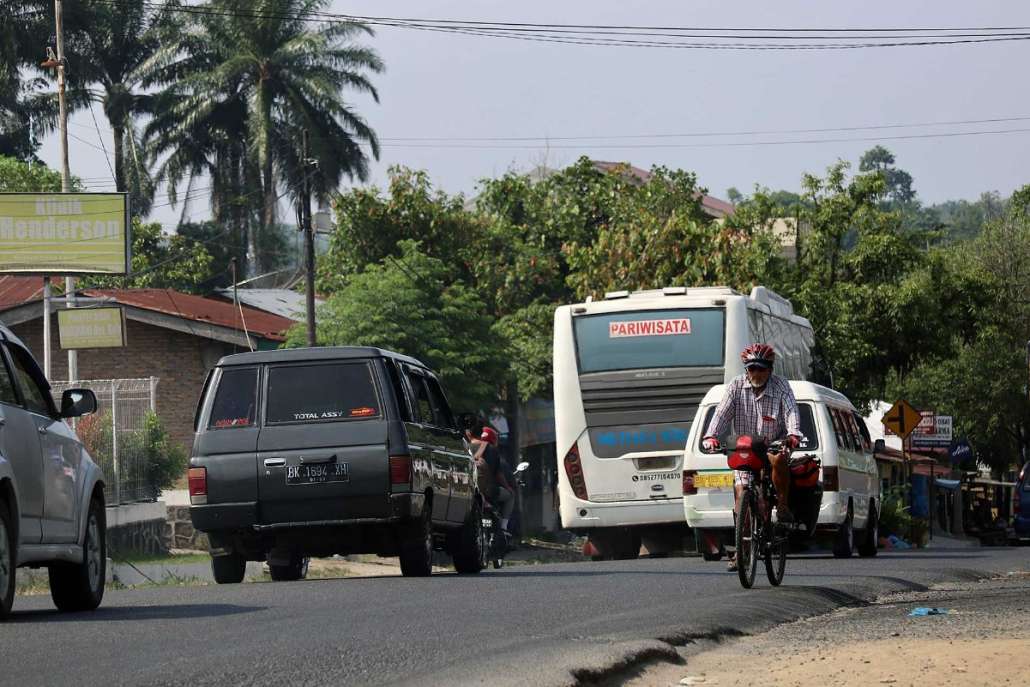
312	452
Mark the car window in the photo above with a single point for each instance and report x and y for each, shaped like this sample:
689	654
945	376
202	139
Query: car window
28	374
441	411
863	432
235	403
838	428
321	393
393	372
422	408
810	436
7	392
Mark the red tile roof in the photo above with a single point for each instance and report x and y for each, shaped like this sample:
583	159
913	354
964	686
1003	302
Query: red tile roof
17	290
713	206
199	309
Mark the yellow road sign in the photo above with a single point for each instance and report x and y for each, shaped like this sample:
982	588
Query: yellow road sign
902	418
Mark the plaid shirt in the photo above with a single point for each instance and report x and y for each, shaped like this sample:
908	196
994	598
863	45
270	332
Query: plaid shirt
771	415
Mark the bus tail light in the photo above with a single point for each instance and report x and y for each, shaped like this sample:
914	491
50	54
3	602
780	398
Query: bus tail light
830	482
400	470
688	482
574	471
197	481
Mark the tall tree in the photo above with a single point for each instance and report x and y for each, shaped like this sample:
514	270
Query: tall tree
264	61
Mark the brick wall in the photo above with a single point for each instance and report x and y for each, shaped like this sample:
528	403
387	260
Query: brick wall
180	362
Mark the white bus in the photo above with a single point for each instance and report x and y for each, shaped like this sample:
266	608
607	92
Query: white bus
629	373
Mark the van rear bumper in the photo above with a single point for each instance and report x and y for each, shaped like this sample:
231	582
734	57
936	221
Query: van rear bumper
239	516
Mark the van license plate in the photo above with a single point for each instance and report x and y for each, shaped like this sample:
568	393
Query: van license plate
317	474
716	480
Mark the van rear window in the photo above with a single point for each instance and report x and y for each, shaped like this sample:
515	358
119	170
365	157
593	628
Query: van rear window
236	399
321	393
809	434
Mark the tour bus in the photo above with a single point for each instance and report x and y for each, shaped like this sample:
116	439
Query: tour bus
629	373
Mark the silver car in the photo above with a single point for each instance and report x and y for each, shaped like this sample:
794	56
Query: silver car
51	491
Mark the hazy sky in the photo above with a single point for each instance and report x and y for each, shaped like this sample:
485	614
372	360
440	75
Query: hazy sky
456	86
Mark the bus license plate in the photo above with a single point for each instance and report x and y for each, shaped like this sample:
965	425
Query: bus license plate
714	480
317	474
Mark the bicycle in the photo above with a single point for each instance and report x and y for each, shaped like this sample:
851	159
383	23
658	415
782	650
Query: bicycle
755	534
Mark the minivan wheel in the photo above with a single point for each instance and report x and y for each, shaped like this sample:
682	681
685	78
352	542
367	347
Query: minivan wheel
6	562
296	569
871	536
844	543
80	586
416	547
228	569
468	552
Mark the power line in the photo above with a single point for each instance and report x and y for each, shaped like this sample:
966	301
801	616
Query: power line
614	35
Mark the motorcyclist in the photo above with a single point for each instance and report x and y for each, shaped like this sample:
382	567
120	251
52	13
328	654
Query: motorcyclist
762	404
493	484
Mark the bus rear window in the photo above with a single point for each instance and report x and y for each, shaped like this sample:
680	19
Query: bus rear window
321	393
650	339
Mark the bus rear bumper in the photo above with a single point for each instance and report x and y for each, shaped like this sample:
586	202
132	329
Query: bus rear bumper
588	515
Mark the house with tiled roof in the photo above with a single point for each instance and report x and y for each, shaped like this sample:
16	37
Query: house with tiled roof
174	336
712	206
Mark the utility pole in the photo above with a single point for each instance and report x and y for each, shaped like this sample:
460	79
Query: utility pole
69	282
309	239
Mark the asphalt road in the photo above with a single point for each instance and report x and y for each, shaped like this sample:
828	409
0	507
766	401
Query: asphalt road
541	625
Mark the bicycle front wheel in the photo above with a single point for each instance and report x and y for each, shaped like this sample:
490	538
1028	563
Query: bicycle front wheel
776	556
747	540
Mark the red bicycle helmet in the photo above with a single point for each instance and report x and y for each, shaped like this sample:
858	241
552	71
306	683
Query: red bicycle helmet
489	435
758	354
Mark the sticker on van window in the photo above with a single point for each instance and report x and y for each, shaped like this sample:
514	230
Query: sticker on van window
324	415
363	412
669	327
232	422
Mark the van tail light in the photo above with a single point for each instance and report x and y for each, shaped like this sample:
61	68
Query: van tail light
197	479
830	482
400	470
574	471
689	487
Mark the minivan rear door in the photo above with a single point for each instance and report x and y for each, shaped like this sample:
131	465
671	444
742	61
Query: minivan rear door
322	451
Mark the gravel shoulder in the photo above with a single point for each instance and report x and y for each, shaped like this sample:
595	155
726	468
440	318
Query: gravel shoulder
981	640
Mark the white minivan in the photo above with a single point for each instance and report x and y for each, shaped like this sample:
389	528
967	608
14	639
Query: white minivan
834	432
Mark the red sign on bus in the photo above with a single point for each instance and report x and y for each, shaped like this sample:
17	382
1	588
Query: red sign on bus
669	327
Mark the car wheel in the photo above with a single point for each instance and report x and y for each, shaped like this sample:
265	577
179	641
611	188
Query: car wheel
871	536
228	569
844	543
468	549
416	547
7	560
80	586
296	569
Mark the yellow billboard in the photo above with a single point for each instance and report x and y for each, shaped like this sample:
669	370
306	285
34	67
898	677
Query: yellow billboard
91	328
64	233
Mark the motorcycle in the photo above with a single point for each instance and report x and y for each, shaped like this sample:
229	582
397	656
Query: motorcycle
497	542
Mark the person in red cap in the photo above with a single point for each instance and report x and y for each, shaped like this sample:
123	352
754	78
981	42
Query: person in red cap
493	484
762	404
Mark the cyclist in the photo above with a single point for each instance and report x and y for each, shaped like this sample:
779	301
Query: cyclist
493	484
761	404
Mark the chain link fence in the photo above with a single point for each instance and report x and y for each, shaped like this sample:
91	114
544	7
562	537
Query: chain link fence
113	435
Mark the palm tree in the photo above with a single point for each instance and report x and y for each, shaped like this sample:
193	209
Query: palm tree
264	61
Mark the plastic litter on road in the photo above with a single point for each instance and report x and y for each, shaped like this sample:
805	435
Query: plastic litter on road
923	611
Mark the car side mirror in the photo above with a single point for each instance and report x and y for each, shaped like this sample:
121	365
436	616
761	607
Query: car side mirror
879	445
78	402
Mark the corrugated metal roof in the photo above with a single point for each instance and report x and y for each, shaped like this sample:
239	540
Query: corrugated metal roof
282	302
200	309
17	290
712	206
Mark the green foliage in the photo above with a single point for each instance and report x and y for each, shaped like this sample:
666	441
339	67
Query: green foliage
527	334
161	460
31	177
411	304
160	260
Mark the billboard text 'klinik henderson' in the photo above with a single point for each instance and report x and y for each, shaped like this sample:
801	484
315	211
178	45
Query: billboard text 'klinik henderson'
64	233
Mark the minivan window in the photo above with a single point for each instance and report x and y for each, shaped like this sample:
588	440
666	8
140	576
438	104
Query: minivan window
420	398
863	432
35	395
393	372
806	417
235	402
441	412
7	393
838	428
321	393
